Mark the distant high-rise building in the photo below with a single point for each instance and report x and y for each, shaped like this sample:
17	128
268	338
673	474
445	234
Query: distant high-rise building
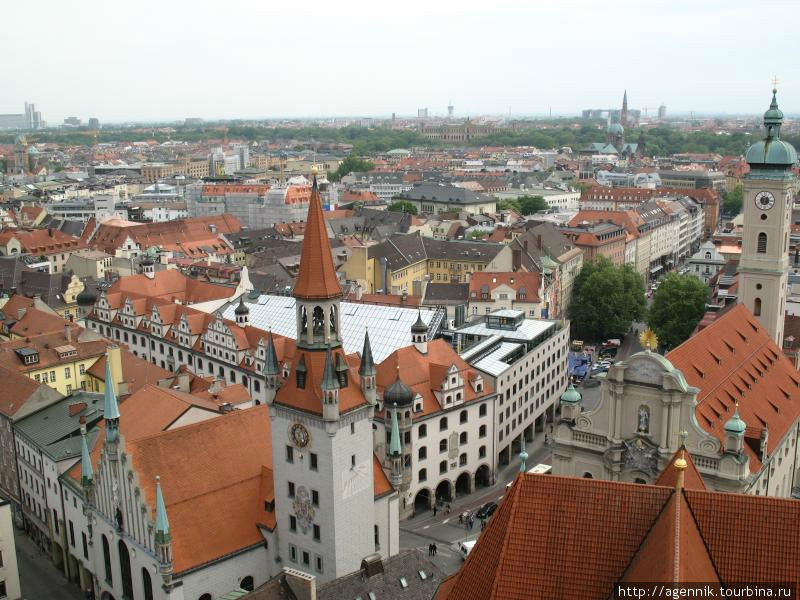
72	122
94	123
662	112
422	113
29	110
450	109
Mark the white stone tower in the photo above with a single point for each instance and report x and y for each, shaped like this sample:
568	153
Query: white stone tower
768	189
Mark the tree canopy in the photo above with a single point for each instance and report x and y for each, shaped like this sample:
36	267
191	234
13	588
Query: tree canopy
606	299
404	207
525	205
732	200
348	165
678	305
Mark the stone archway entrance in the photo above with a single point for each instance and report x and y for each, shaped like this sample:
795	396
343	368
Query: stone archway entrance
483	476
463	484
422	501
444	491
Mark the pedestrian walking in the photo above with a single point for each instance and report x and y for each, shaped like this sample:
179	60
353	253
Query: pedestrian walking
430	549
434	510
461	518
435	550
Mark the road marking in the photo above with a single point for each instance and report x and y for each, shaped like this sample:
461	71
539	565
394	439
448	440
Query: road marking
445	521
499	497
426	526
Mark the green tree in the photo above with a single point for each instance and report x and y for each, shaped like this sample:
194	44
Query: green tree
606	299
348	165
678	305
732	200
531	204
404	207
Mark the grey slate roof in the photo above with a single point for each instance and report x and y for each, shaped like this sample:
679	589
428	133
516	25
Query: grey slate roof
56	432
403	250
434	192
386	585
436	293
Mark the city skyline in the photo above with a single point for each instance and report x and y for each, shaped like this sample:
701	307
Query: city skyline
277	62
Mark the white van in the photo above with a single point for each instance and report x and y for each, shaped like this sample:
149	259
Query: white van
465	548
541	469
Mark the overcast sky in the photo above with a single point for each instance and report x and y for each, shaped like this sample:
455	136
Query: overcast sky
172	59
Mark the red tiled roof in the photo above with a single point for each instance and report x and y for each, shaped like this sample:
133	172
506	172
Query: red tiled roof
734	359
692	480
517	281
560	537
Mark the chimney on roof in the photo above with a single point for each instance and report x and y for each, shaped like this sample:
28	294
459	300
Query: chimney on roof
68	333
525	245
226	407
539	241
82	421
303	585
50	231
371	565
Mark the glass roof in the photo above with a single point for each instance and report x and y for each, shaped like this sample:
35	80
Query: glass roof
389	326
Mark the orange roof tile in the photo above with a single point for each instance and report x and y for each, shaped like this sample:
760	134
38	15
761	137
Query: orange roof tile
316	278
734	359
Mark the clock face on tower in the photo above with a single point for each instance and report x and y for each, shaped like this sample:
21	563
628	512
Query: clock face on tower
299	435
764	200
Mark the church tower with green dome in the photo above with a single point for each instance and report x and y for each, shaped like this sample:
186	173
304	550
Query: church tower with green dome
768	197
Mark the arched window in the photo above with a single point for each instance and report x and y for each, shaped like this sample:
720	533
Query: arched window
639	480
462	417
757	307
147	585
333	319
762	243
247	584
482	431
443	445
462	438
443	467
107	560
303	320
423	475
422	452
588	475
442	423
462	460
318	321
205	597
423	431
708	255
125	570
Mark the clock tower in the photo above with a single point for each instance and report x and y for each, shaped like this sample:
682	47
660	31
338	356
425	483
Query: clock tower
768	198
321	421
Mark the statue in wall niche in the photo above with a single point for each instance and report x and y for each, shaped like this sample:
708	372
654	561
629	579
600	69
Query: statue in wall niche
644	419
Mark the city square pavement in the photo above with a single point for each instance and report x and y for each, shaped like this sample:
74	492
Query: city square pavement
444	529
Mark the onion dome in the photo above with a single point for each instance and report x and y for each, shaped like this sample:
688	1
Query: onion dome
242	308
735	425
571	396
398	393
419	326
772	151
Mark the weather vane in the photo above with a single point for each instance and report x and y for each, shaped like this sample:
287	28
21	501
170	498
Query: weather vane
775	82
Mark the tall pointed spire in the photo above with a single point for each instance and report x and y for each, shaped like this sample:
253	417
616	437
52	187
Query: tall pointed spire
394	441
271	366
329	379
162	522
87	472
316	279
110	406
367	367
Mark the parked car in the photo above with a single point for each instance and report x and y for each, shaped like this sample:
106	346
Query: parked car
487	510
591	382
